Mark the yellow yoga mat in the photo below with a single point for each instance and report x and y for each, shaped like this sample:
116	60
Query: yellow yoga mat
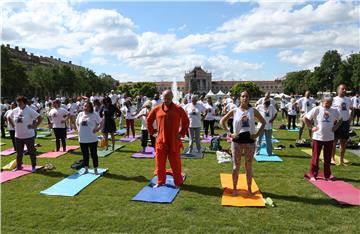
337	157
242	199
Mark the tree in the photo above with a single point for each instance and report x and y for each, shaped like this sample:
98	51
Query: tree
330	65
139	88
251	87
295	82
354	64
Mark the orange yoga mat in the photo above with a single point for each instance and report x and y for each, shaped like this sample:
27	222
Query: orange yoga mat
242	199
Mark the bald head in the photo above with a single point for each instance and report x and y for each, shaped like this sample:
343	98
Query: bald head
168	96
341	90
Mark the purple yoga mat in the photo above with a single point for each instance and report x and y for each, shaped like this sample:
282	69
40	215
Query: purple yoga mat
58	153
10	151
10	175
149	153
129	139
206	139
344	193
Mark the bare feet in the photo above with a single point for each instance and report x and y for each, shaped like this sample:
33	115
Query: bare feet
157	185
250	193
234	193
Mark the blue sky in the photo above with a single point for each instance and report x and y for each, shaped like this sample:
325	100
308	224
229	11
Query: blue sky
152	41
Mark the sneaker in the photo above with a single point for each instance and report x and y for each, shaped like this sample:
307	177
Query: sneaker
33	169
312	179
17	169
188	152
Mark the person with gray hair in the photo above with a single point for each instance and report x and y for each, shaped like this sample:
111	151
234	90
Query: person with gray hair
194	111
325	122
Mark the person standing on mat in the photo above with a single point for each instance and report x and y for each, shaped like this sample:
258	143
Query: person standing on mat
169	117
343	105
144	112
88	123
194	111
292	112
58	117
268	112
325	122
9	126
209	119
356	107
108	112
305	104
283	109
244	137
129	111
24	120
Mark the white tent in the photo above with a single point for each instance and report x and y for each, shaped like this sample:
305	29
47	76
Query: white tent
281	94
210	93
228	94
220	93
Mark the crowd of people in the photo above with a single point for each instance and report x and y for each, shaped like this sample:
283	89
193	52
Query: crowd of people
165	122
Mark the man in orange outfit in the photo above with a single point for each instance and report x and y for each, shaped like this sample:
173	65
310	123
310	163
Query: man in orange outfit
169	117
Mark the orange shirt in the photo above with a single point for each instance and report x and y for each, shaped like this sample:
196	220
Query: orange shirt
168	122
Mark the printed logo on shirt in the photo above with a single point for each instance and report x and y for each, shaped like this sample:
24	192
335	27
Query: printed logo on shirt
326	117
84	123
307	104
343	106
245	121
267	113
19	119
54	115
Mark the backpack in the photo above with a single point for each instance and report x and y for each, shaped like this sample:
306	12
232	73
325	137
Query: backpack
77	164
215	144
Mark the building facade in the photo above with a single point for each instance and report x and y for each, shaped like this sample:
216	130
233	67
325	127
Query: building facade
200	81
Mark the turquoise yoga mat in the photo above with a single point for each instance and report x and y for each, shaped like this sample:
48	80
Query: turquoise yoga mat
263	157
73	184
103	153
293	130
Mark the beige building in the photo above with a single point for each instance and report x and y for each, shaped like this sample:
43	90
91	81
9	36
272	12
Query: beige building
200	81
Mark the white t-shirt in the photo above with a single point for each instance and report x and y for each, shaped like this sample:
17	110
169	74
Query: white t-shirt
194	114
23	118
229	107
356	102
144	112
323	119
72	107
86	124
262	100
154	103
343	105
57	115
6	115
306	104
211	112
129	112
244	121
113	98
291	108
283	103
268	114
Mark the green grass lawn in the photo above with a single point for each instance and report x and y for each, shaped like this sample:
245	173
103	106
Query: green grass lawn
106	207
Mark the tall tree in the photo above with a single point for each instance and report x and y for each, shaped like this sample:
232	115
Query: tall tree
251	87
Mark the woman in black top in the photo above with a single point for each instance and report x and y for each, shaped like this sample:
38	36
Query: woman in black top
108	112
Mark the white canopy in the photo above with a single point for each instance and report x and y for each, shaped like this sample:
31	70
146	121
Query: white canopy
228	94
210	93
280	95
220	93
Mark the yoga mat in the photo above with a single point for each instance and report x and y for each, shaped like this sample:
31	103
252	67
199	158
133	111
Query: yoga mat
74	183
162	194
242	199
10	175
1	144
344	193
149	153
206	139
293	130
56	154
129	139
223	157
7	152
193	154
273	140
68	136
263	157
121	131
308	151
104	153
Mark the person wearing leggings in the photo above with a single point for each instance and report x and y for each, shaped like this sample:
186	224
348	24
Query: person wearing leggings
58	117
88	123
10	128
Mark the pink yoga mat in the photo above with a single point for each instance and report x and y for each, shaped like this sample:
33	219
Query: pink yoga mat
10	175
68	136
56	154
10	151
129	139
149	153
344	193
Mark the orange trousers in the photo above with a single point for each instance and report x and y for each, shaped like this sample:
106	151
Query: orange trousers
175	164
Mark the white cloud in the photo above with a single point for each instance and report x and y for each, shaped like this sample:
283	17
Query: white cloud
98	60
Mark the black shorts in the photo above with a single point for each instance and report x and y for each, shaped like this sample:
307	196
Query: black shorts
357	112
343	131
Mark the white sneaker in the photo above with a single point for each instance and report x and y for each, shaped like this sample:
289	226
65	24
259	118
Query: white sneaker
188	152
312	179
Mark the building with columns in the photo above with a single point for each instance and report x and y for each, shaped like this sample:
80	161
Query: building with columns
199	80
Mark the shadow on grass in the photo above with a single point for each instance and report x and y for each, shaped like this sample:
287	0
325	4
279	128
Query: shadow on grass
347	179
126	178
305	200
207	191
128	151
294	156
52	173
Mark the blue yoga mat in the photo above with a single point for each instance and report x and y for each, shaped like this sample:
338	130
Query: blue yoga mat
73	184
263	157
273	140
293	130
162	194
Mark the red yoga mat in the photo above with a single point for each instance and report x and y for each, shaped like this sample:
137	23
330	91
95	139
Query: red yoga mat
344	193
58	153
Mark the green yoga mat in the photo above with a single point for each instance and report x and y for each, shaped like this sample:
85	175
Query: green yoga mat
43	134
103	153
